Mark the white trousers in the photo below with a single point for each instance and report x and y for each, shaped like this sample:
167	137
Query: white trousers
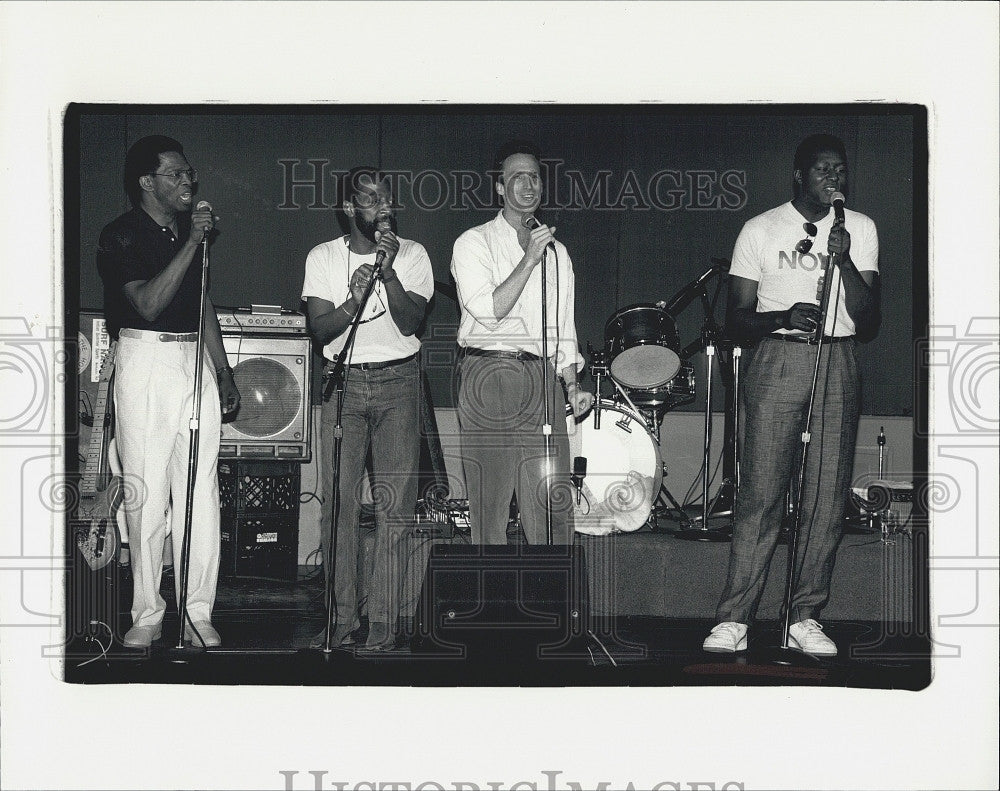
154	385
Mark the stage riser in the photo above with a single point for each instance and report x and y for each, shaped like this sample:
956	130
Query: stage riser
648	574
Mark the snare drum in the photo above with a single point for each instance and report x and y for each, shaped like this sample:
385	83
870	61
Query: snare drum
623	469
643	345
679	390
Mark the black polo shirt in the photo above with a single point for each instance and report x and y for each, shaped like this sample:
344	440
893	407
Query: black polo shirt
136	247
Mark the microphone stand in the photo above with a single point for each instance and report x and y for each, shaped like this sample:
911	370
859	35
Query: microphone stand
784	654
194	429
338	381
547	383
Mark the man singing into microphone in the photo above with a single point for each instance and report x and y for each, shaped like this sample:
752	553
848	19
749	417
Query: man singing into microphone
150	261
775	288
498	268
382	396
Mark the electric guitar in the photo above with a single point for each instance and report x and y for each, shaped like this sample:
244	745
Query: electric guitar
101	487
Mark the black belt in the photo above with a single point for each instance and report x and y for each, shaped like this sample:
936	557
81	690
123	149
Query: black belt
809	338
499	353
380	365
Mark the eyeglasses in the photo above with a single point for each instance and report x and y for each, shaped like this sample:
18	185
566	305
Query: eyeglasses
367	200
177	175
806	244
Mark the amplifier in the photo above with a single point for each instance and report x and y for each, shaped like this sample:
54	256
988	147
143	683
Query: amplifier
272	372
261	318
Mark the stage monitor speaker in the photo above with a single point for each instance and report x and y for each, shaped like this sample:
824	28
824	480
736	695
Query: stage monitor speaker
493	602
274	419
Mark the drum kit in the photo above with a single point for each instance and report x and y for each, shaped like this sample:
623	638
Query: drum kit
618	468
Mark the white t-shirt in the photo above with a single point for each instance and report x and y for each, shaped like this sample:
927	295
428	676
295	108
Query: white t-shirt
765	252
329	267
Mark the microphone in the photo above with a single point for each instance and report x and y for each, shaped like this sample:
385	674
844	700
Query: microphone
683	297
380	255
531	221
837	201
579	473
204	205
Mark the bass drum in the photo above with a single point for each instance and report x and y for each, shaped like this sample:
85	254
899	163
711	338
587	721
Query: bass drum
642	345
623	471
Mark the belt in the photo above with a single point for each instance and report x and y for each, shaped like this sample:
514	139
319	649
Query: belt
499	353
378	366
809	338
151	336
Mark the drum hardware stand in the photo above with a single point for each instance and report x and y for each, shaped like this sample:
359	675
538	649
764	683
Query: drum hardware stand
785	654
598	368
725	500
881	521
337	382
709	335
869	521
682	517
654	416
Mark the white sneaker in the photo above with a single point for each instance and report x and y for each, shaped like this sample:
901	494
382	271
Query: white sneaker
808	637
727	637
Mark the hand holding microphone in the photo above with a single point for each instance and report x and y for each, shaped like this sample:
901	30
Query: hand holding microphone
386	247
540	239
839	242
202	220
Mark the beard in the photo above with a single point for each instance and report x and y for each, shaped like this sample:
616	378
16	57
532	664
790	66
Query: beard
369	228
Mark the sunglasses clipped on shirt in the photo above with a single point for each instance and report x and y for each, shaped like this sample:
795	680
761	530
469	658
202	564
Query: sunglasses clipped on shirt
806	244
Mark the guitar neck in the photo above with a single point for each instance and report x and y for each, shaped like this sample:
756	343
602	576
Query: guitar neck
96	462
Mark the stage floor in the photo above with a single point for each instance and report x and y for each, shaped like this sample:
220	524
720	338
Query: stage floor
266	626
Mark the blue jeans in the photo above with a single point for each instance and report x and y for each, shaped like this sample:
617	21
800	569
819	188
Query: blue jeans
382	414
775	399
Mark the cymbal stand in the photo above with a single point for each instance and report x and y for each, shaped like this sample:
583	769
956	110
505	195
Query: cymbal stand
709	335
724	502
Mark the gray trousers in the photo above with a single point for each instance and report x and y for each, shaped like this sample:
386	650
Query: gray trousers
500	413
774	402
